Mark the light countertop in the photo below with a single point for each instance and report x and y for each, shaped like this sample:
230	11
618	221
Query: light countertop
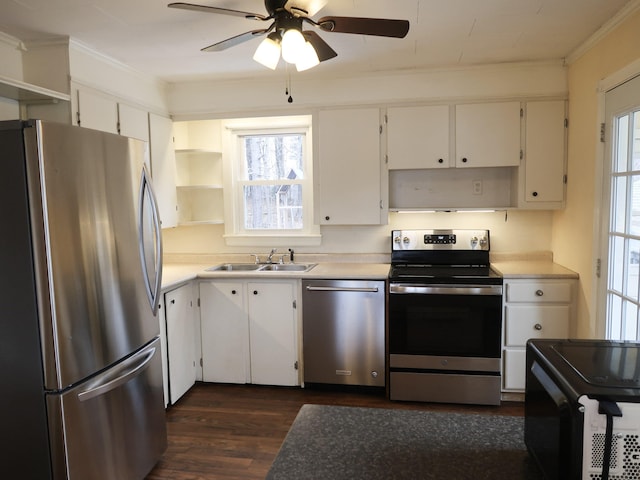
174	274
532	269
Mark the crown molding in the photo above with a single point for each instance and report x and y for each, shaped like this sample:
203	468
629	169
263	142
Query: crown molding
629	9
12	41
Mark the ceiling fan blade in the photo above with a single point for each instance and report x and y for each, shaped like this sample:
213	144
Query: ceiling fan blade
224	11
381	27
305	8
233	41
324	51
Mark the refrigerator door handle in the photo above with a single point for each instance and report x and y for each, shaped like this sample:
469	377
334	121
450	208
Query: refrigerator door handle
131	368
147	197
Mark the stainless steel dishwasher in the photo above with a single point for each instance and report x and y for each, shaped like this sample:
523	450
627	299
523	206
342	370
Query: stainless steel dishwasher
343	332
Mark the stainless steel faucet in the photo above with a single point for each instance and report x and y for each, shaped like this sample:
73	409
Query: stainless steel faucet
270	257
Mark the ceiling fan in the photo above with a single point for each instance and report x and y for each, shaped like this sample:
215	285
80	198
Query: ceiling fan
304	48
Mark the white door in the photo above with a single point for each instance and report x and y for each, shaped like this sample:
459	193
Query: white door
272	335
181	338
621	223
488	135
97	112
163	168
348	187
225	334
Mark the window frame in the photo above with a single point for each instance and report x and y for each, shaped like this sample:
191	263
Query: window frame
233	132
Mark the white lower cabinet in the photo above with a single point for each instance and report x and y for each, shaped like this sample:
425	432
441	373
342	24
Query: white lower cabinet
183	353
533	308
249	332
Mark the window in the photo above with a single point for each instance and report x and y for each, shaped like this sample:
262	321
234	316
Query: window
271	181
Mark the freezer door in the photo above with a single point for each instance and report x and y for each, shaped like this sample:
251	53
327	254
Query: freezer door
97	248
114	424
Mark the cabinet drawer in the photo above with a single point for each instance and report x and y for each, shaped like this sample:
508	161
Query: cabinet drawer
538	292
540	321
515	365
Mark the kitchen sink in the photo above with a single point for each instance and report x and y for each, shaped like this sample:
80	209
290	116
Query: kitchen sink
288	267
235	267
256	267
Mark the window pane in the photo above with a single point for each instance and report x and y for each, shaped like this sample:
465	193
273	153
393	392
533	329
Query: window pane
622	141
630	320
273	157
631	288
619	204
269	207
615	318
616	263
636	141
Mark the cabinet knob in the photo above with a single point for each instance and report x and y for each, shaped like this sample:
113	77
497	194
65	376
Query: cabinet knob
173	302
255	292
233	292
327	218
537	326
535	194
440	160
539	293
464	159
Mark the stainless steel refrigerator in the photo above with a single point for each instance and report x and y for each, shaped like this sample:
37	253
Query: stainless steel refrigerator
80	272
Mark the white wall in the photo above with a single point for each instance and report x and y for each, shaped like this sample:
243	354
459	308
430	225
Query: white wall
511	232
199	100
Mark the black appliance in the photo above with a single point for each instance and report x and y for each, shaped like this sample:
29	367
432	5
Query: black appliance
444	318
582	408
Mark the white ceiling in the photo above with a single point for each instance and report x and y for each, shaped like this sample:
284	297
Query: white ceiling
166	42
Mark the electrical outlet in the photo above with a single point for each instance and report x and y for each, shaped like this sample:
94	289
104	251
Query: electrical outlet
477	187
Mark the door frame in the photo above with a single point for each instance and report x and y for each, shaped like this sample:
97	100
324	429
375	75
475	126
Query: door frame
599	282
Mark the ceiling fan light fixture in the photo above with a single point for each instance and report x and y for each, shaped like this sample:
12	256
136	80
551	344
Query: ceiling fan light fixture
293	45
268	52
309	58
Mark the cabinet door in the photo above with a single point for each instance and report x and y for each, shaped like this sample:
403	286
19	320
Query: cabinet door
133	122
162	320
348	167
418	137
163	168
488	134
544	152
225	334
97	112
181	339
272	322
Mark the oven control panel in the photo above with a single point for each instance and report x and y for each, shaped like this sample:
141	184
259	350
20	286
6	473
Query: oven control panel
440	240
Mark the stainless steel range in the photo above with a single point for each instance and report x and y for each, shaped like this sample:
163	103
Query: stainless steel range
444	318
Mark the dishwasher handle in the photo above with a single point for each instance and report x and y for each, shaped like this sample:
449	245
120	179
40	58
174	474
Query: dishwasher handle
312	288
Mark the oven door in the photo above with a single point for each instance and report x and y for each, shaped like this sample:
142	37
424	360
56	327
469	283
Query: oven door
452	327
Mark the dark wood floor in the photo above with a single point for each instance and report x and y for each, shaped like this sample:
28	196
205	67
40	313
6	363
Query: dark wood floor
234	432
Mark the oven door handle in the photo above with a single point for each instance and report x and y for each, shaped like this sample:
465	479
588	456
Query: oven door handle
407	288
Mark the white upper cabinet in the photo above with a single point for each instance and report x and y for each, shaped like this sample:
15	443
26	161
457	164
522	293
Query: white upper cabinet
487	135
96	111
542	182
348	167
163	168
418	137
133	122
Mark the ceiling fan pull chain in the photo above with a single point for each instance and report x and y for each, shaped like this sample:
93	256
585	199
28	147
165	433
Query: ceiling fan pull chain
287	88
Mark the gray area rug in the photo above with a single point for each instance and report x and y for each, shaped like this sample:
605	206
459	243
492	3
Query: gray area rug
330	442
